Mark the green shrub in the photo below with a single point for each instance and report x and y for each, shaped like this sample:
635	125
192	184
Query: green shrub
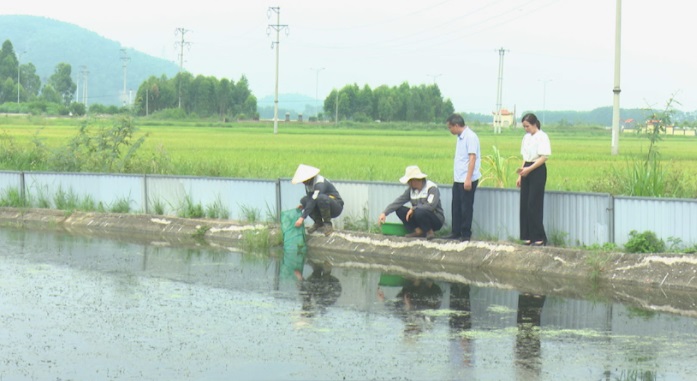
217	210
250	215
190	209
12	197
121	205
495	168
558	238
645	242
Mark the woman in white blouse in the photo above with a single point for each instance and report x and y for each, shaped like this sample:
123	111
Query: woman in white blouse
532	177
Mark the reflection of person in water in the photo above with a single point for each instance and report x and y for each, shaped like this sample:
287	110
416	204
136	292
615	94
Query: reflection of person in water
416	296
460	322
320	290
528	338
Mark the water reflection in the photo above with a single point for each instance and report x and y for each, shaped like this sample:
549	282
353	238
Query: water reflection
181	312
319	290
412	303
460	322
527	343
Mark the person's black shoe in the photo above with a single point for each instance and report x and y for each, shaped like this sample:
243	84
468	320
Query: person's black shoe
314	228
452	236
464	239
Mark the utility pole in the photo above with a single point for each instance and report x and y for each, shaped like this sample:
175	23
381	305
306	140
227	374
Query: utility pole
544	98
181	44
317	70
19	57
277	27
497	119
616	89
124	64
336	112
84	74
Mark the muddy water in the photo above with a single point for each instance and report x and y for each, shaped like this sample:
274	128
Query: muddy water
90	308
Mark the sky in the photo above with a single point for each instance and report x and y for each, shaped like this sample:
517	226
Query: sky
557	54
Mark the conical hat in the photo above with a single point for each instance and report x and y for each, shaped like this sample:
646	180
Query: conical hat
303	173
412	172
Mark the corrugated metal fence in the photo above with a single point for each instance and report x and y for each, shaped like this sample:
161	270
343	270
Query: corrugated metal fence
573	218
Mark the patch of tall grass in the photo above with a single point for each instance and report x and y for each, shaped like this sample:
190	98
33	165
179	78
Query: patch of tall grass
190	209
217	210
12	197
249	214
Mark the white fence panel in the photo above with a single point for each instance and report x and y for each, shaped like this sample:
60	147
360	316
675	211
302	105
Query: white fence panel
239	197
496	214
664	216
10	181
578	218
103	189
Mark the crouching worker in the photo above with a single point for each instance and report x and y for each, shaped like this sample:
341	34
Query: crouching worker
426	213
322	202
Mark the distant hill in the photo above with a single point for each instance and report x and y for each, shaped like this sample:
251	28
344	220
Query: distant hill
48	42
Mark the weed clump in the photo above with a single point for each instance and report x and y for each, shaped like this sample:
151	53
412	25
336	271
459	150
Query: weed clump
646	242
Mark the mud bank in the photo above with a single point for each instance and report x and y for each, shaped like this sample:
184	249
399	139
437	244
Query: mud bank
655	281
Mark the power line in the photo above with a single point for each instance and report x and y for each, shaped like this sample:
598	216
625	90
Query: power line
499	90
544	98
317	71
124	64
181	44
277	27
434	76
84	74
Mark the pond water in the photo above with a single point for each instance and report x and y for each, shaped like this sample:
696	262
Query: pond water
78	307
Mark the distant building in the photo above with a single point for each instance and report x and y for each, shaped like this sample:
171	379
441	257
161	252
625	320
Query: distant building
629	123
507	118
651	124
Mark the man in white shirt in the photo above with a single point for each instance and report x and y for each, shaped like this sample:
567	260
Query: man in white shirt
466	174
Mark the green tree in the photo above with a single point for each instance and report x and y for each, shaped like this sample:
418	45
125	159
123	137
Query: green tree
30	81
8	62
447	110
182	84
223	94
364	104
202	95
240	95
8	90
385	103
249	107
62	82
49	94
77	109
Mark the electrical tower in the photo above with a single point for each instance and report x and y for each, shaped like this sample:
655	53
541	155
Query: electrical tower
277	27
499	90
317	71
124	64
181	44
434	76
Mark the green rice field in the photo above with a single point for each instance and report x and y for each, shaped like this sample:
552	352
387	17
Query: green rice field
581	156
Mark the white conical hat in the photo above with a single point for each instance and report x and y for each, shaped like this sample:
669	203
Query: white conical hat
304	172
412	172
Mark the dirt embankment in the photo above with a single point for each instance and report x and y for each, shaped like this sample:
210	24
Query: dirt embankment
654	281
